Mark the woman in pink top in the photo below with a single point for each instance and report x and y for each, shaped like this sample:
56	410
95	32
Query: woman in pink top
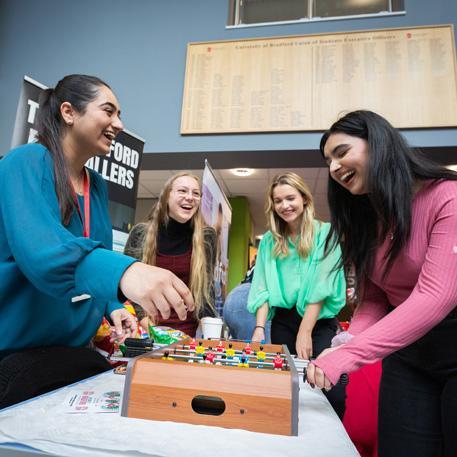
395	215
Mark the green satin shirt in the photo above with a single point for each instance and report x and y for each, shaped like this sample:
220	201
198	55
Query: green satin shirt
296	281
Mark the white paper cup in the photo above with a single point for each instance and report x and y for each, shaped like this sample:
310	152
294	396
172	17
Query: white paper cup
211	327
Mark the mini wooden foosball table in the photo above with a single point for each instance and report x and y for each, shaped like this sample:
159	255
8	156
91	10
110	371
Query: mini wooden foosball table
230	384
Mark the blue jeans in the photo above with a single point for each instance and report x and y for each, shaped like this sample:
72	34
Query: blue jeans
240	321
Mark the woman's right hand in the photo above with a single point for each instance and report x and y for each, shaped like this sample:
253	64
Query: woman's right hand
258	335
145	323
156	290
316	377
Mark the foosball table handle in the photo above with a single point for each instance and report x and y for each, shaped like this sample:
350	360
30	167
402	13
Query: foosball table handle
137	346
146	343
344	379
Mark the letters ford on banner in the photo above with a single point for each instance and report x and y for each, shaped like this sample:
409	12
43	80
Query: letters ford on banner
120	168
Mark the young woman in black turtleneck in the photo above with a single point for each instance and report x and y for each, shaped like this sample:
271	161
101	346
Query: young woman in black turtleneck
175	238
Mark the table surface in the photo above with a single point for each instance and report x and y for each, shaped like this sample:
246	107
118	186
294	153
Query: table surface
44	424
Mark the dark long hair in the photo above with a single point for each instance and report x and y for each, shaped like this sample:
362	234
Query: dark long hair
79	90
362	222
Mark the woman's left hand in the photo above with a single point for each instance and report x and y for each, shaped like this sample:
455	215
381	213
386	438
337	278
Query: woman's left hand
125	325
304	345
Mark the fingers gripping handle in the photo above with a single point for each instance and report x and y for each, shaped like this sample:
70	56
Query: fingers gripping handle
344	378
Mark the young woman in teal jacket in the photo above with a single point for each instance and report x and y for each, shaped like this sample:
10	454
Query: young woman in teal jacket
59	276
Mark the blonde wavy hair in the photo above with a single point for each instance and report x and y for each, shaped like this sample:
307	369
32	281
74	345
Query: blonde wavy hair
279	228
200	284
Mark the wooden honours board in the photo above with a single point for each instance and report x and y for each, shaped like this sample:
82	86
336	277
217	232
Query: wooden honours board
306	82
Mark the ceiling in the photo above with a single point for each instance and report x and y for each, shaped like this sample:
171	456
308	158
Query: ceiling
252	187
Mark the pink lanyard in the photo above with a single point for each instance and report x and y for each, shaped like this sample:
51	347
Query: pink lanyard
86	192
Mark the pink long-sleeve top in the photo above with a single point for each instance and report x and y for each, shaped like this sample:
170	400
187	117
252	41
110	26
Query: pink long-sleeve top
421	286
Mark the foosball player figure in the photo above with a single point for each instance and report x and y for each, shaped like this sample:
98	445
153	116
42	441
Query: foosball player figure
205	359
244	362
210	355
192	345
230	352
200	349
261	354
244	359
278	361
220	347
248	348
166	356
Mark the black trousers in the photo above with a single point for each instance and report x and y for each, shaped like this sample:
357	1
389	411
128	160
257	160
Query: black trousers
284	330
27	373
418	396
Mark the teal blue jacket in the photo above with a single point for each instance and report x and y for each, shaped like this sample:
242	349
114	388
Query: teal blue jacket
44	265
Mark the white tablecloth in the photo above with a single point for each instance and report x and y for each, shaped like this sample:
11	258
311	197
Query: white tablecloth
44	424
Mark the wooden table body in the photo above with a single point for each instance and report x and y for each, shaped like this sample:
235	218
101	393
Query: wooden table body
255	399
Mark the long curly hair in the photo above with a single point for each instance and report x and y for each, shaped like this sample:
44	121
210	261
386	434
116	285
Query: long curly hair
200	283
279	227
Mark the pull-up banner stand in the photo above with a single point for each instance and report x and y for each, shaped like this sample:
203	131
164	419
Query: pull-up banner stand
217	212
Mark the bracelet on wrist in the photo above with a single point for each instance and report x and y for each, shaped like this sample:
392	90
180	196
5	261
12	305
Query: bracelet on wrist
259	326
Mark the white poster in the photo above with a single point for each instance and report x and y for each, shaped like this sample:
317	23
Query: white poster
217	212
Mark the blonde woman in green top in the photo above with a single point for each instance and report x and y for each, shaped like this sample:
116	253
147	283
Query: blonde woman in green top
296	283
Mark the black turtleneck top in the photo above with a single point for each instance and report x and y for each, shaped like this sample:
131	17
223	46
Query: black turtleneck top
174	238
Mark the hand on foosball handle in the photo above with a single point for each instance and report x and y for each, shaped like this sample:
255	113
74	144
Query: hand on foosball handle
344	378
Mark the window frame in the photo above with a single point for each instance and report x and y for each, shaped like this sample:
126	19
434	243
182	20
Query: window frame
234	15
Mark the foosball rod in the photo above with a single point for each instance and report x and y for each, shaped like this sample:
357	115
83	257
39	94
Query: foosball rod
237	351
269	355
133	352
230	362
139	349
251	357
